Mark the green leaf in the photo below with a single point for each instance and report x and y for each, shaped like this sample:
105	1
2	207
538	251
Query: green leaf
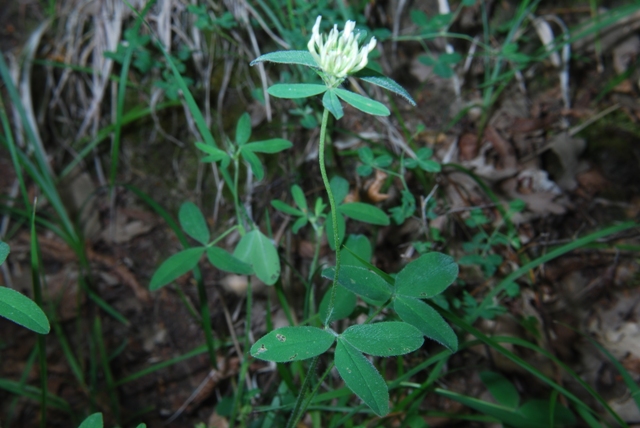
430	165
342	227
92	421
427	320
292	344
361	281
379	79
364	212
384	339
254	163
449	58
331	102
419	17
299	224
176	266
443	70
364	170
298	197
427	276
340	188
362	377
226	262
343	305
296	90
410	163
288	57
243	129
4	251
361	246
23	311
382	161
510	51
539	411
274	145
258	250
364	104
502	390
424	153
366	155
285	208
193	223
427	60
215	154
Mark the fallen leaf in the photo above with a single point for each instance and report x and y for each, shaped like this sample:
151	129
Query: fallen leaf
568	150
373	189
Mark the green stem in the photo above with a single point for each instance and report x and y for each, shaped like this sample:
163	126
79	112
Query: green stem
37	295
315	389
236	201
223	235
308	307
334	212
206	318
298	409
246	361
106	368
316	253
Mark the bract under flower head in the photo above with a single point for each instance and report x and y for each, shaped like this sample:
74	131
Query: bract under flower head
338	54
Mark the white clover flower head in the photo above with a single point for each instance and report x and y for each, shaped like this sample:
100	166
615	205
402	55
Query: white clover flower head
338	54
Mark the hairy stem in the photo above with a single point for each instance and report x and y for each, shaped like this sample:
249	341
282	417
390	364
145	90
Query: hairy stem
334	212
299	408
236	200
301	405
309	294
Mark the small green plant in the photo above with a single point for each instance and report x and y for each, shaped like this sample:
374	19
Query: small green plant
383	162
254	252
481	251
334	57
481	243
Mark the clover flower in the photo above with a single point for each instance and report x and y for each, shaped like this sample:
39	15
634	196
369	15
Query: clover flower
339	53
334	57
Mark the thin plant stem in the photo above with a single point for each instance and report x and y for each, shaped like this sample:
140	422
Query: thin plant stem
236	201
206	319
320	380
246	361
106	368
298	408
334	214
37	294
308	307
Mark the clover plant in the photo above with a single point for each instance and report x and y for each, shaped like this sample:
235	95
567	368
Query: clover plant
336	57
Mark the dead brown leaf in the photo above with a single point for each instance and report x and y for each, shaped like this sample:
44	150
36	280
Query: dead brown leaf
373	187
468	147
502	146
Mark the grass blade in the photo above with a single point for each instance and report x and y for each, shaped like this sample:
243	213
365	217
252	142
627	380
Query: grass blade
37	294
108	375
